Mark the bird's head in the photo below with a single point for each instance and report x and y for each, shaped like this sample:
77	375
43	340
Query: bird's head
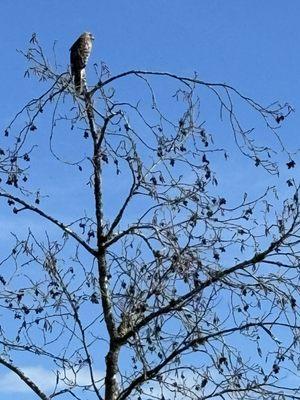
90	35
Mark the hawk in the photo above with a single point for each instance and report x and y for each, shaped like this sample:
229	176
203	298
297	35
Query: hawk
79	54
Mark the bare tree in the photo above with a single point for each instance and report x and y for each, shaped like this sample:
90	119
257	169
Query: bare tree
176	284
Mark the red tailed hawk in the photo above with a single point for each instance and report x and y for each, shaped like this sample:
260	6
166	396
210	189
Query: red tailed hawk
79	54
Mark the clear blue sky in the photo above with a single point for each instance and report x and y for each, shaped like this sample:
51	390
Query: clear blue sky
253	45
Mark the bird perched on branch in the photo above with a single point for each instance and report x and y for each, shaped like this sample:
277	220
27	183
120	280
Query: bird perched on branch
79	54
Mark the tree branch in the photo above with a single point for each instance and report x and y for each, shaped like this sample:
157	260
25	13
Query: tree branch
146	375
122	209
179	302
51	219
112	355
24	378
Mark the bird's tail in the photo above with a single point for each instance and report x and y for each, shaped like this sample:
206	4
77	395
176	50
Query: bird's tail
79	80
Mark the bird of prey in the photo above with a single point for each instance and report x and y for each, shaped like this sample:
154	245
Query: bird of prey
79	54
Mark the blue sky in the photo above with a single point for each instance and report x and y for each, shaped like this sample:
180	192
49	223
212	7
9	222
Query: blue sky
253	45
